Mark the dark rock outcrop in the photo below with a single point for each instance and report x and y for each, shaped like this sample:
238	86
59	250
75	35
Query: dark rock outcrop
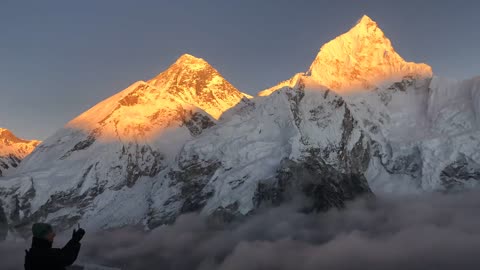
460	173
323	186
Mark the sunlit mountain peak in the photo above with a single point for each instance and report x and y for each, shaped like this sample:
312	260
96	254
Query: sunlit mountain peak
6	134
362	58
146	109
190	59
12	145
196	82
365	20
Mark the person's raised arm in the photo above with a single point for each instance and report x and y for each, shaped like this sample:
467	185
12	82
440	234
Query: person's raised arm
67	255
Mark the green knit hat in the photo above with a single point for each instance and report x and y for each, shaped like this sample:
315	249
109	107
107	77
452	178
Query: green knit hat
41	230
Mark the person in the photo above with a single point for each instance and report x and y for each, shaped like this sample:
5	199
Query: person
42	256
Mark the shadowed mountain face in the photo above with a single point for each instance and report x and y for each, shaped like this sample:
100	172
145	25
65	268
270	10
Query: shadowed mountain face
360	120
13	150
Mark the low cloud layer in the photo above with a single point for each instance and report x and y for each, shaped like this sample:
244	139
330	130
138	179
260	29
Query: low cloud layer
425	232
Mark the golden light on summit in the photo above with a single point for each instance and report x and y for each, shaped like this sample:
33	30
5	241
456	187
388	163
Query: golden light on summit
358	60
146	110
362	58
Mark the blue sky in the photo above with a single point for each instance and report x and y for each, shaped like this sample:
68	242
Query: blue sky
59	58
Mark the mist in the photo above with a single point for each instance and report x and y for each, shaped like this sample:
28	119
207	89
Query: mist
435	231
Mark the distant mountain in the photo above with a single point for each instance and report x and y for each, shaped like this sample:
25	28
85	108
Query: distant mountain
360	120
13	150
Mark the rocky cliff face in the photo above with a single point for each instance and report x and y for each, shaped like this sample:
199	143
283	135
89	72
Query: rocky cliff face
295	141
421	134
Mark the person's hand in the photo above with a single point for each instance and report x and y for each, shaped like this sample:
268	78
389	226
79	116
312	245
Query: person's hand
78	234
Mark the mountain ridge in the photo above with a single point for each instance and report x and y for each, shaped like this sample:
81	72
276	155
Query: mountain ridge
186	141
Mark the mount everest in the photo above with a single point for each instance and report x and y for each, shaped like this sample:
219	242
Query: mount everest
361	120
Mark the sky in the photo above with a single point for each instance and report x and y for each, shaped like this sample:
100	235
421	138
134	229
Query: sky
59	58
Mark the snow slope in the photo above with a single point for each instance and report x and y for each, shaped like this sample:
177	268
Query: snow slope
424	132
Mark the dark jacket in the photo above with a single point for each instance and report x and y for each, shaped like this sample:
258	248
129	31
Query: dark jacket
42	256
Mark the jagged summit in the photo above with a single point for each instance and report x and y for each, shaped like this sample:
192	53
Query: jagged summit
185	63
196	82
6	134
7	138
194	78
369	29
365	20
188	59
362	58
13	149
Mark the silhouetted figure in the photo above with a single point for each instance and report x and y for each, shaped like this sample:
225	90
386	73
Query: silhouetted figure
42	256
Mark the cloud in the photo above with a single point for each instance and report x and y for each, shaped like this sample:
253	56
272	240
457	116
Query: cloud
435	231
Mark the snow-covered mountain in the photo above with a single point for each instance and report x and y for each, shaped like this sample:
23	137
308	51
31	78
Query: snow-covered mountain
422	129
361	119
13	150
430	135
103	164
361	59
